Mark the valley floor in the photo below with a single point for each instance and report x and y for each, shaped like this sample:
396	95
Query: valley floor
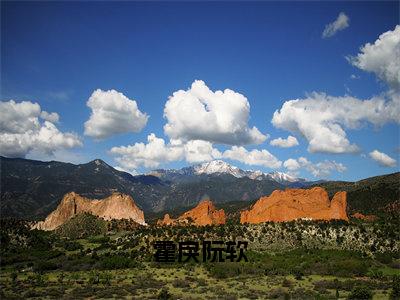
190	282
299	260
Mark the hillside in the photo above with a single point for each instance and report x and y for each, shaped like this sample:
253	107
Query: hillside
32	189
368	196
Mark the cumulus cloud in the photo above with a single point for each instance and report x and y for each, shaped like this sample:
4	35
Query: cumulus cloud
22	130
321	118
321	169
113	113
291	141
341	22
19	117
254	157
382	57
51	117
291	164
199	151
156	152
382	159
149	155
218	117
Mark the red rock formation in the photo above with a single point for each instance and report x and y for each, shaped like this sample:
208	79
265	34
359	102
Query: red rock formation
166	221
116	206
369	218
203	214
292	204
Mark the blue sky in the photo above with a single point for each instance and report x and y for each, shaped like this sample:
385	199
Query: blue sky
58	54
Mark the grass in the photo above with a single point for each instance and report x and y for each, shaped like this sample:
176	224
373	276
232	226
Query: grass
196	282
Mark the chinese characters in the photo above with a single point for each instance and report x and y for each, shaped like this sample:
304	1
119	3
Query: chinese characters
212	251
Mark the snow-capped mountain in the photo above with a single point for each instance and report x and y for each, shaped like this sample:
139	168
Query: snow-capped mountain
283	177
219	167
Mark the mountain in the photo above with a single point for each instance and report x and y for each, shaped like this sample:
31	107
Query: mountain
220	168
32	189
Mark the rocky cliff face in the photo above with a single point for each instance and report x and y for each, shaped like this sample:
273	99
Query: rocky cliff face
203	214
292	204
116	206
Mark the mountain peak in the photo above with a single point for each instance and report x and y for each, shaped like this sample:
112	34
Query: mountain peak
280	176
218	166
98	162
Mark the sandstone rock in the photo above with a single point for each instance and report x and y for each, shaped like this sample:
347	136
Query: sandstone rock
369	218
292	204
166	221
116	206
203	214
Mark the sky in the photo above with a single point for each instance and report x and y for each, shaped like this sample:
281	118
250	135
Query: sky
307	88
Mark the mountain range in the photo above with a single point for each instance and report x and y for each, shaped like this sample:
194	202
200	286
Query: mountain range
31	189
219	167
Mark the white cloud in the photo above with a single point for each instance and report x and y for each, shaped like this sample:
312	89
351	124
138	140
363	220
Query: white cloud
353	76
219	117
23	132
341	22
19	117
113	113
149	155
382	159
320	169
253	157
291	141
320	118
200	151
382	57
291	164
156	152
51	117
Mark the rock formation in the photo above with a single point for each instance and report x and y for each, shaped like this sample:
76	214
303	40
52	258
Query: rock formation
203	214
292	204
360	216
116	206
166	221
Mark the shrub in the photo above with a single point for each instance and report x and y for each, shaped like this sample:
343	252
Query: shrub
181	283
395	294
116	262
361	292
164	294
385	258
72	246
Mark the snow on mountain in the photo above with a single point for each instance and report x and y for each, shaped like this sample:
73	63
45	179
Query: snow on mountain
221	167
283	177
218	166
